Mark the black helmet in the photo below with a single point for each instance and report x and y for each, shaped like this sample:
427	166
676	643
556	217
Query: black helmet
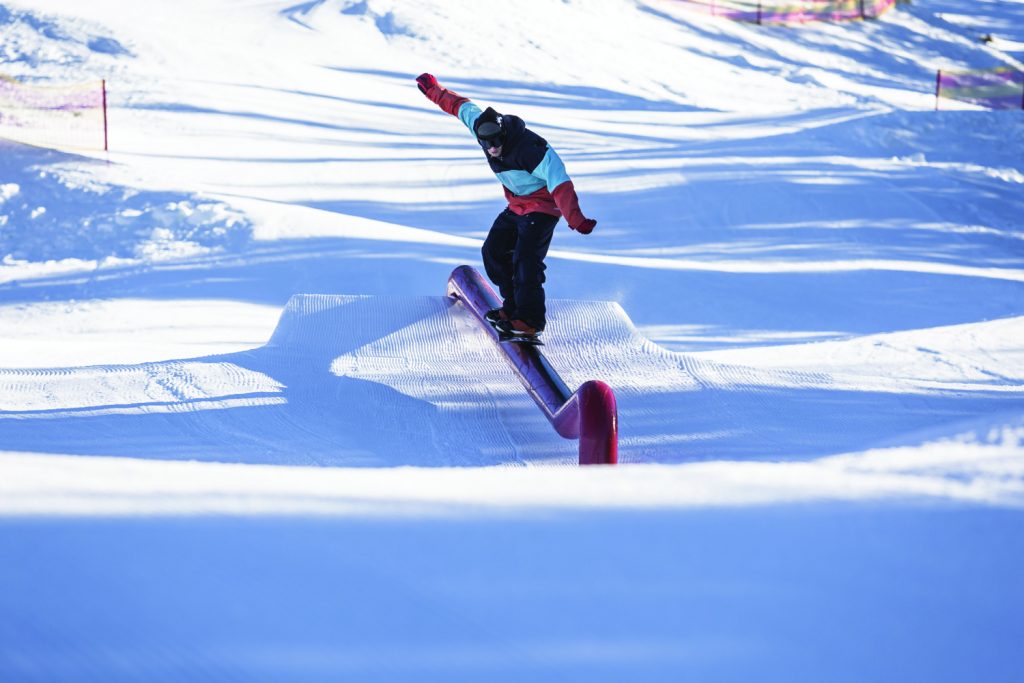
490	134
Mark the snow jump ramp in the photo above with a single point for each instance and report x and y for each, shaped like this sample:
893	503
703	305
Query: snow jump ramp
440	352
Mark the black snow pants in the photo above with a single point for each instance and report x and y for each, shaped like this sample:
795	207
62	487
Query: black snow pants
514	253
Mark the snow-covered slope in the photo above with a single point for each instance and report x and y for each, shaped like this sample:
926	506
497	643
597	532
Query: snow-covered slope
385	381
243	436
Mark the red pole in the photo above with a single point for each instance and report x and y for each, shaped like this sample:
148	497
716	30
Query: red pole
599	424
938	87
106	147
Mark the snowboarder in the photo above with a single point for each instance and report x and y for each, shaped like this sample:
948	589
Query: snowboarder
539	192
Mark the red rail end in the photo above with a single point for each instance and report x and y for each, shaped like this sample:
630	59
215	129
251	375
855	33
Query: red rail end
599	424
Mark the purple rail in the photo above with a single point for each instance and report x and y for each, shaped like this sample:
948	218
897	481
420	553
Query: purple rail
588	414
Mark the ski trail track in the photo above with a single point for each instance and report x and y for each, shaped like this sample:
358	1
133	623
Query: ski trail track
353	380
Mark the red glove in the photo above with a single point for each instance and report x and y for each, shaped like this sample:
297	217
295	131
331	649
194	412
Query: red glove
585	227
448	100
426	83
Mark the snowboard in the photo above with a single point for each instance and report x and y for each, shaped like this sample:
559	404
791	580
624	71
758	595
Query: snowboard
529	340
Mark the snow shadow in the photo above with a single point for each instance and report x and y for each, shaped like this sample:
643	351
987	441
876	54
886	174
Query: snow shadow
300	400
875	52
35	41
773	424
556	96
819	188
51	214
793	198
708	595
319	419
265	273
353	381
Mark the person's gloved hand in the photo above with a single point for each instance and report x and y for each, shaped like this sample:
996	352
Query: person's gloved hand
426	83
585	227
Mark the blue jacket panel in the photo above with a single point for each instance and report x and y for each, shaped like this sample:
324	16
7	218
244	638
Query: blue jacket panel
468	114
527	164
551	170
521	183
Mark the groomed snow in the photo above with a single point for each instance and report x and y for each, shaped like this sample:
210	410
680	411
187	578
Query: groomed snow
243	436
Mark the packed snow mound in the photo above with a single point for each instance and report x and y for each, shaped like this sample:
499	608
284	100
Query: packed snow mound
39	46
58	211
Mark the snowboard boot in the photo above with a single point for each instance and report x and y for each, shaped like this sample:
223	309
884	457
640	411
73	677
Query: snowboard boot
496	315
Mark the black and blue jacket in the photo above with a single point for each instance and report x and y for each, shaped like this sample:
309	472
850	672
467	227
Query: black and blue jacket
531	173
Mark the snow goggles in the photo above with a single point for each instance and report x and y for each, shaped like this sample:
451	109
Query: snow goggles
494	141
490	134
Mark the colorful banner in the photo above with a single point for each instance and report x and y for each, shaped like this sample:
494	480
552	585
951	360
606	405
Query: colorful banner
792	11
1001	88
58	116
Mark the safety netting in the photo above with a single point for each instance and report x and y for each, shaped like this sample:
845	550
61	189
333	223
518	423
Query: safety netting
62	116
791	11
1000	88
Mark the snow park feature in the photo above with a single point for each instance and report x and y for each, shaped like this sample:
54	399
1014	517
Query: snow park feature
247	434
588	414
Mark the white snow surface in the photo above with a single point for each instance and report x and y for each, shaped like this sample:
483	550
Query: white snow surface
244	436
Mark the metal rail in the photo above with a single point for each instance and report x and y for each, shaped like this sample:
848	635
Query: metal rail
588	414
